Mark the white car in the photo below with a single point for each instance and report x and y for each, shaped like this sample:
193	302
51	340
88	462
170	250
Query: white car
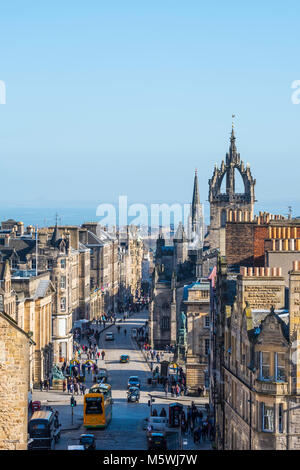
109	337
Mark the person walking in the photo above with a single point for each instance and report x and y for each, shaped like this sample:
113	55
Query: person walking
64	385
166	388
103	355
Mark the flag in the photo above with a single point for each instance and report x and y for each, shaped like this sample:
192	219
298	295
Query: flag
213	276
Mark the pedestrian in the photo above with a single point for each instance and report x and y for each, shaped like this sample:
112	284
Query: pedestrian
103	355
166	388
41	385
64	385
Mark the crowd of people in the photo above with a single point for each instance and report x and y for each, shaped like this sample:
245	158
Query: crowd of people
193	423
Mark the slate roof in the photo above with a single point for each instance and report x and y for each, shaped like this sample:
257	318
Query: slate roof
19	245
42	288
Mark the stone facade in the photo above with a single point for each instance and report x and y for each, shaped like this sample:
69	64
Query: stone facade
14	385
35	298
196	302
104	263
220	203
255	369
131	250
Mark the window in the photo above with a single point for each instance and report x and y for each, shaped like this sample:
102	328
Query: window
223	218
265	373
63	304
280	418
206	347
206	320
63	282
93	405
206	379
49	264
63	263
62	327
63	349
165	323
279	367
14	264
267	418
33	263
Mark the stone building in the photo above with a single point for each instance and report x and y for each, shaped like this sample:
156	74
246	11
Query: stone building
221	202
131	250
196	305
14	384
261	233
104	263
35	300
52	249
255	364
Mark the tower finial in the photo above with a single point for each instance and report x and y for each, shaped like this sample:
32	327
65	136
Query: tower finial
233	116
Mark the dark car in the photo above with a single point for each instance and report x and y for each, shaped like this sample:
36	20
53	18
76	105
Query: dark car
134	381
133	394
88	441
157	440
124	358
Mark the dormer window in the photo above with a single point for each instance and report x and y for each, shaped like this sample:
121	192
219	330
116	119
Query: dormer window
264	366
279	367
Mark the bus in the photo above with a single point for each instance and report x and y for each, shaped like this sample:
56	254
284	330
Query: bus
97	407
41	430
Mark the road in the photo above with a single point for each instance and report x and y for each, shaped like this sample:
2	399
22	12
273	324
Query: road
125	430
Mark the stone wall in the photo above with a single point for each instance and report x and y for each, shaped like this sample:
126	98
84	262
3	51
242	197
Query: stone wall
14	385
237	252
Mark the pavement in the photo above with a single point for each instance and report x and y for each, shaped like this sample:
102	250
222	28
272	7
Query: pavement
126	429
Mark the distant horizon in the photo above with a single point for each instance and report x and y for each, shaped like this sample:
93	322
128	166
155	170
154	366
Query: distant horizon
77	215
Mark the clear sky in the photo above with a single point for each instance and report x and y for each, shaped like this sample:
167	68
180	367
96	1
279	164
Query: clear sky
129	97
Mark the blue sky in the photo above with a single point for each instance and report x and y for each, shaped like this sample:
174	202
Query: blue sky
128	97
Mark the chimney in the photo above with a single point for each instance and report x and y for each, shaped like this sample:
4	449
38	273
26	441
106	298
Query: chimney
6	239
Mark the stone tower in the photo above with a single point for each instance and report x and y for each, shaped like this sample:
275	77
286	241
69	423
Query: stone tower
220	203
180	242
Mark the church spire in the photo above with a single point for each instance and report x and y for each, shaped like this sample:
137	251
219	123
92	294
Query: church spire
232	148
196	198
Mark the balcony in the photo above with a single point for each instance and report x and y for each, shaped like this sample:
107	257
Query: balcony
272	388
